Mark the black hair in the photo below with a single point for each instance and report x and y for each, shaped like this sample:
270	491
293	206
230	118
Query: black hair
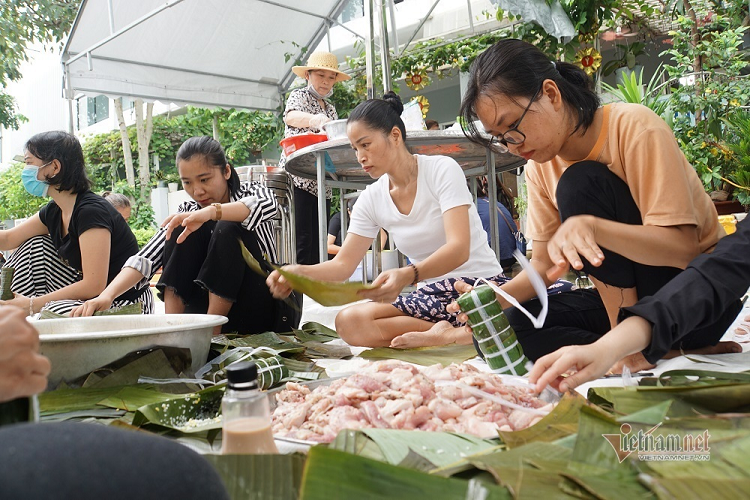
515	68
210	149
381	114
66	149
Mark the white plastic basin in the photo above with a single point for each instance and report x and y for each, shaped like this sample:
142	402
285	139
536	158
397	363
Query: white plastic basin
78	346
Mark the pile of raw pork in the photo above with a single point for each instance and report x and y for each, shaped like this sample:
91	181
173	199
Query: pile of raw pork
395	395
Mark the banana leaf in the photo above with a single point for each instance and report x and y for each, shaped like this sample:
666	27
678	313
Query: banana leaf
261	477
319	350
427	450
621	484
331	475
70	400
190	413
153	364
528	483
312	331
131	398
426	356
561	421
93	413
700	489
265	339
719	397
325	293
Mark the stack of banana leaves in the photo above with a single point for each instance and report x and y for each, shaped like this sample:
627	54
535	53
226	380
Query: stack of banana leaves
683	435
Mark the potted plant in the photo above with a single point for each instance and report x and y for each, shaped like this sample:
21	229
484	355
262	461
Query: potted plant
626	60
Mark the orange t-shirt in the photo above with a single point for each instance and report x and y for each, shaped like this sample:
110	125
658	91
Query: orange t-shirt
638	147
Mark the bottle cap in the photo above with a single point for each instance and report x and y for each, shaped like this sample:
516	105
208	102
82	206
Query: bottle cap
242	375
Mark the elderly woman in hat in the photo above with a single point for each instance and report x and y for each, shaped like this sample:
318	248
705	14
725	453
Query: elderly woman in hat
307	110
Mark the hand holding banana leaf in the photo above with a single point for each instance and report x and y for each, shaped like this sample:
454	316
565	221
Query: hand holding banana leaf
281	282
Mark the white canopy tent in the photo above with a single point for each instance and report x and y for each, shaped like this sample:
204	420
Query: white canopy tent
229	53
225	53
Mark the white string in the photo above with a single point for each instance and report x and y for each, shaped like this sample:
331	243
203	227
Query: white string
536	281
490	397
247	352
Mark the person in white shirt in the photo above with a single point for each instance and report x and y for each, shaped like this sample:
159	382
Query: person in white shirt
424	204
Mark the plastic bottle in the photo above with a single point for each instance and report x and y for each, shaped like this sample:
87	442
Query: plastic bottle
246	428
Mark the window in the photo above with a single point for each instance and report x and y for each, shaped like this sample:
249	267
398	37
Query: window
97	109
127	103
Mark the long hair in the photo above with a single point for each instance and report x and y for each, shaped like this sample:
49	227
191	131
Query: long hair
518	69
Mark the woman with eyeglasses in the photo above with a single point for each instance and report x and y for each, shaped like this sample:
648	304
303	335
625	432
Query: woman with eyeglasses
75	245
609	193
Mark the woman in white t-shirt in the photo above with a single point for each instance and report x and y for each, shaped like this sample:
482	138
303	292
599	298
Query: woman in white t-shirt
424	204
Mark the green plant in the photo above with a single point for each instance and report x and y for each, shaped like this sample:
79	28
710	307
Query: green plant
627	55
708	95
143	235
738	142
142	216
15	202
631	89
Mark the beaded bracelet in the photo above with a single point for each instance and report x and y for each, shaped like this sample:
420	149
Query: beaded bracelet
31	306
416	274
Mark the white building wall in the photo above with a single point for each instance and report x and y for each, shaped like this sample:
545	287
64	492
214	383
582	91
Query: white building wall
38	97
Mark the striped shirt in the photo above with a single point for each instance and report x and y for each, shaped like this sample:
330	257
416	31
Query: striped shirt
259	200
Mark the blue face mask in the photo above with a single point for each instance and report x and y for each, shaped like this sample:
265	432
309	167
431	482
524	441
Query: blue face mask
34	186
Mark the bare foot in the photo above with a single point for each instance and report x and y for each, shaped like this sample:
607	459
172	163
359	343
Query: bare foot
441	333
720	348
635	363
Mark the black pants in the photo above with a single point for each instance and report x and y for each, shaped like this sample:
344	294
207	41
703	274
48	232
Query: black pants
579	317
306	226
210	260
89	461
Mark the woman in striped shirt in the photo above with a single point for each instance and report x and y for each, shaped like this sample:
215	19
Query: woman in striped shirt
203	269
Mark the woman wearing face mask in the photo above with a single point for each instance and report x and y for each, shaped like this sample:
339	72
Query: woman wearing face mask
203	268
307	110
76	244
609	193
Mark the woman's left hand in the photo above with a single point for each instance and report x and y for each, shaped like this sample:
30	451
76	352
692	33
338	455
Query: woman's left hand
388	285
191	221
575	238
18	300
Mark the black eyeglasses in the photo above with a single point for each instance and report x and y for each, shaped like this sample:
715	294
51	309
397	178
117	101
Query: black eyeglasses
513	135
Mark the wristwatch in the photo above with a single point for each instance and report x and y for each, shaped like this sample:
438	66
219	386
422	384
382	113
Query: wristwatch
217	206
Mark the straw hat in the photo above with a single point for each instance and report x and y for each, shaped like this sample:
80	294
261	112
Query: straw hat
321	60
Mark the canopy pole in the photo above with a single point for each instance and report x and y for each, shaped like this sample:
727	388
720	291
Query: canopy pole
385	56
370	48
68	93
111	13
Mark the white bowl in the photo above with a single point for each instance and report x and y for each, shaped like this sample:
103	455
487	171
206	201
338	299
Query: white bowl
78	346
335	129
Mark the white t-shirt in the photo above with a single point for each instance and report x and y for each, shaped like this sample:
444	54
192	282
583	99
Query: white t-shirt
441	185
